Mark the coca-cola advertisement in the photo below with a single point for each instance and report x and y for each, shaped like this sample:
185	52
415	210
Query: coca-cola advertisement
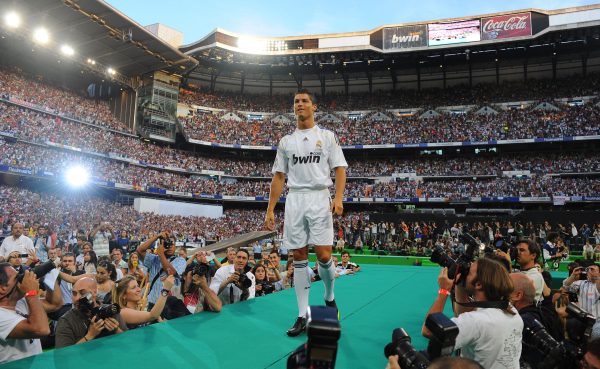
506	26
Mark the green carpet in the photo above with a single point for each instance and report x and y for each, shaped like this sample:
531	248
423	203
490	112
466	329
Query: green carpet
252	334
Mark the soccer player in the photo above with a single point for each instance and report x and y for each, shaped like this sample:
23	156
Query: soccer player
307	156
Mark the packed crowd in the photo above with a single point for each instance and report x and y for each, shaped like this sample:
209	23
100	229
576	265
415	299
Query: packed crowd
67	214
46	96
420	238
57	162
458	95
510	124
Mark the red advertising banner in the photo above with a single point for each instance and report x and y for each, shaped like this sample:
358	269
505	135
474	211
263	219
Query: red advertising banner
506	26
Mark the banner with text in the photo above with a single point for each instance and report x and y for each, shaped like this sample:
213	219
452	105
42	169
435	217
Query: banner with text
405	37
506	26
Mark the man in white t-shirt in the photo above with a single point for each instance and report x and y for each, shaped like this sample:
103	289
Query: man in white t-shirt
21	324
17	241
307	157
528	253
492	336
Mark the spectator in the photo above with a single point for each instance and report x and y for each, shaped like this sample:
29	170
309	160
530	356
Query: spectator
79	325
528	253
135	268
101	235
106	276
117	259
90	262
128	295
16	242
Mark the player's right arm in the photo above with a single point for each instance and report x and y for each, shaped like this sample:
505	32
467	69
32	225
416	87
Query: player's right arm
277	184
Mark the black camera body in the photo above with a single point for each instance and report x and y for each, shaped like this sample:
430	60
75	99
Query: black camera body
443	331
40	270
244	281
320	350
106	311
201	270
266	287
167	241
462	264
536	336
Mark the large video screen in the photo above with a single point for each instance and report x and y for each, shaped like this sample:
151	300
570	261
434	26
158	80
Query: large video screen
454	33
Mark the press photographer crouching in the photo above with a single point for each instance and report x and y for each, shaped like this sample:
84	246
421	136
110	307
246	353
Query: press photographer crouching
22	317
87	320
234	283
490	329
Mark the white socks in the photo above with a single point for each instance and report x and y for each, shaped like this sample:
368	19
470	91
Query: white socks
302	285
327	274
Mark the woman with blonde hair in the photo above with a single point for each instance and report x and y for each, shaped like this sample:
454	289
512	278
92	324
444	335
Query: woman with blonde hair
128	295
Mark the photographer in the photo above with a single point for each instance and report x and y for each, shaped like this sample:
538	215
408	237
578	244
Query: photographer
16	242
527	255
552	253
263	285
128	295
100	237
195	291
233	283
490	330
587	290
161	264
82	323
523	298
19	335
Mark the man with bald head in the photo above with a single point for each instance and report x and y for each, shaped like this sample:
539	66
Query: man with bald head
80	324
16	242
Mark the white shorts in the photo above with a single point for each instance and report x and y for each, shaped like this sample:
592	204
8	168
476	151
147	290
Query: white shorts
308	219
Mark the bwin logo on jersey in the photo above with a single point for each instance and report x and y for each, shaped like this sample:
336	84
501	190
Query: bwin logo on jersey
313	157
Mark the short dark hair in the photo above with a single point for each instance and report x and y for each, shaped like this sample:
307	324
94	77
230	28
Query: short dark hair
244	251
344	253
274	252
552	237
533	247
312	97
3	273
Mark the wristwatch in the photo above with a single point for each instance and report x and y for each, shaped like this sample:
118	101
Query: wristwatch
164	292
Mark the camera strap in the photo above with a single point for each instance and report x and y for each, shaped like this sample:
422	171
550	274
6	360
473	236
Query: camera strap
502	305
159	273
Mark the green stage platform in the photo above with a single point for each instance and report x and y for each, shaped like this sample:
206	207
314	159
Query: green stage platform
252	334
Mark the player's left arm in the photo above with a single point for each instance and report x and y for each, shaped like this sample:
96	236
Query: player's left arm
337	207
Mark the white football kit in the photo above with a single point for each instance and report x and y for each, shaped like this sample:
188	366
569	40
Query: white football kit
307	157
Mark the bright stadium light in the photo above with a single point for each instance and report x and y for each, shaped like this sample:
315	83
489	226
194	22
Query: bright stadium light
77	176
251	45
67	50
111	71
91	61
12	20
41	36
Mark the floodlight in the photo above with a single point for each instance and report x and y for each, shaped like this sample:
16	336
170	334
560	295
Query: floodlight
77	176
111	71
41	35
12	20
252	45
67	50
91	61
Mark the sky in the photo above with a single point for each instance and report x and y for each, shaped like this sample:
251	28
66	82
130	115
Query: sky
197	18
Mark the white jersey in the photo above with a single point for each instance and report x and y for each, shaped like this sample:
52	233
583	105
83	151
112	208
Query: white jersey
307	157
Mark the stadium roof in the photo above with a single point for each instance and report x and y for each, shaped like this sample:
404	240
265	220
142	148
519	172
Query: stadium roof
96	30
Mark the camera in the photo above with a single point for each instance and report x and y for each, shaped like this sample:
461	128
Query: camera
508	248
201	270
40	270
244	281
167	241
104	311
579	324
266	288
462	264
536	336
320	350
444	332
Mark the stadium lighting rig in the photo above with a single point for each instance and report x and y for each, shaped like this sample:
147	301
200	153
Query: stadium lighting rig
12	20
67	50
77	177
41	35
